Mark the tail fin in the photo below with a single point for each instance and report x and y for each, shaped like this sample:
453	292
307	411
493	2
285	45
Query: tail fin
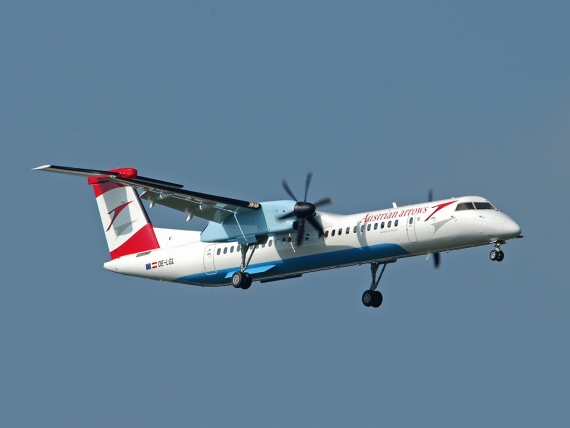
127	227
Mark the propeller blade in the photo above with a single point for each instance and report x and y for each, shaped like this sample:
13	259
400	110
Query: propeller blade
309	176
284	216
316	225
430	195
324	201
436	260
288	190
300	231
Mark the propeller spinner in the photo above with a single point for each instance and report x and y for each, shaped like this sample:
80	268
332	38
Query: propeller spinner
304	210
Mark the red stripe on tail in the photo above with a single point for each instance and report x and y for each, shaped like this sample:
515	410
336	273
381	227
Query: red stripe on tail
100	185
143	240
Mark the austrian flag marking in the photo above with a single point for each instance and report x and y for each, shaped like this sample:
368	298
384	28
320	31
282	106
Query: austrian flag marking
159	264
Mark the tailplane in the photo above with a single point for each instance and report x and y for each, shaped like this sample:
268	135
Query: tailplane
127	227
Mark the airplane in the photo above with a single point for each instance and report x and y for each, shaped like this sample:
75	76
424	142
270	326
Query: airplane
269	241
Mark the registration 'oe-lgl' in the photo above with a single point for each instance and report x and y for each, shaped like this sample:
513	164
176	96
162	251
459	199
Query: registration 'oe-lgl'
270	241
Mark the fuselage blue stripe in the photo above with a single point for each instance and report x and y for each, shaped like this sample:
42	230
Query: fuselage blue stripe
312	262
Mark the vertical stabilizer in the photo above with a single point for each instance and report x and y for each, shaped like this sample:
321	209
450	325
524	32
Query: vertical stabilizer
127	227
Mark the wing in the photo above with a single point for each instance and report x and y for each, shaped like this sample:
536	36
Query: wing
209	207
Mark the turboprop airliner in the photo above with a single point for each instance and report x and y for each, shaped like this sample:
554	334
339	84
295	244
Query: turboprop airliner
248	241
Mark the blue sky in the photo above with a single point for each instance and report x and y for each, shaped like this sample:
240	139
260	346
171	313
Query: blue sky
382	101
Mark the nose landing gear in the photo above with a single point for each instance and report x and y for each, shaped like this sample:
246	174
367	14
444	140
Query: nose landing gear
497	254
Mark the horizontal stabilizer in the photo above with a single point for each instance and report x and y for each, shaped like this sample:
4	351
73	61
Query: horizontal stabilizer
210	207
126	172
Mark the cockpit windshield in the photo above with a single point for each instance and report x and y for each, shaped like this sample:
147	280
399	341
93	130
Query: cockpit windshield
484	206
465	206
474	205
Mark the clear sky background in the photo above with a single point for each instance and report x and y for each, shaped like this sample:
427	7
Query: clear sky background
382	101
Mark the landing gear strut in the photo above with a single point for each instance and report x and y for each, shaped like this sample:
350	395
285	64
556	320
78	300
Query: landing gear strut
372	297
242	279
497	254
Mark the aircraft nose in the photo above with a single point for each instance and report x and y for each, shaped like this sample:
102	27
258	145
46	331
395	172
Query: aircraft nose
510	228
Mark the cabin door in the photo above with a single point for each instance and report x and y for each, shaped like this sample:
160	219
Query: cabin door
209	266
411	229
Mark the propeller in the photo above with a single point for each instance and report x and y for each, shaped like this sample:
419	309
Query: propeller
304	210
436	256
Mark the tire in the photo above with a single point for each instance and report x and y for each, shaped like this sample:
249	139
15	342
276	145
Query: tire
367	298
493	255
237	279
500	256
377	299
247	280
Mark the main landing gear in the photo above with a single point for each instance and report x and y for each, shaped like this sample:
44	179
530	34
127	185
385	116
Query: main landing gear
497	254
242	279
373	297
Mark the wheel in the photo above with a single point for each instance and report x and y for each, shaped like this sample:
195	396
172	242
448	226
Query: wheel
493	255
377	299
500	256
367	298
237	279
247	280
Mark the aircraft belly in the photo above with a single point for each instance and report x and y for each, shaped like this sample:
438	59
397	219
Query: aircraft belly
282	262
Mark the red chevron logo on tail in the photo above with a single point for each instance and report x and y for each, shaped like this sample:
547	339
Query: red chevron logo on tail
116	212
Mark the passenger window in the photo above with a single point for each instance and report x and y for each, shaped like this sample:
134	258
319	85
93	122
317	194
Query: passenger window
375	226
219	251
355	229
368	227
395	223
289	239
362	229
284	240
232	249
464	206
340	232
327	234
225	250
333	232
270	243
238	248
390	223
347	230
382	225
411	220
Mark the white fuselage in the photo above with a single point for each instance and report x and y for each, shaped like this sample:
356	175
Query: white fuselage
384	235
